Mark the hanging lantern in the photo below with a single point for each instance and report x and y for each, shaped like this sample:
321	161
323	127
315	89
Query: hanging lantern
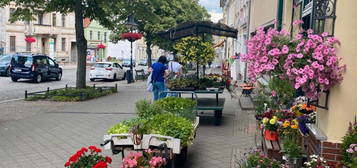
30	39
101	46
131	36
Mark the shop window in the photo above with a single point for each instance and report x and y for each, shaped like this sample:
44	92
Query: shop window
12	43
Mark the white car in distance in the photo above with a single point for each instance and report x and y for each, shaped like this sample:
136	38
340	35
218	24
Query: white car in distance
106	70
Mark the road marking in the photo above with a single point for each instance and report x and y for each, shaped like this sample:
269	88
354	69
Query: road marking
11	100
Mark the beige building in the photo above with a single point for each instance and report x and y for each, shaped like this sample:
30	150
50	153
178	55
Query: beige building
140	53
54	34
2	31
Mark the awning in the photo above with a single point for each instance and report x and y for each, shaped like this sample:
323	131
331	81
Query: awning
197	28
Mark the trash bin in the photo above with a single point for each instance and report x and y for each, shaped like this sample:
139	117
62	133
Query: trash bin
129	76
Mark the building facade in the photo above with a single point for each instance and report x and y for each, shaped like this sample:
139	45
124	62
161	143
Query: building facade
2	31
140	54
95	35
54	35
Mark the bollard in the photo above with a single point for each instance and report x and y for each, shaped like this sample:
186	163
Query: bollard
25	94
66	86
116	87
94	86
48	90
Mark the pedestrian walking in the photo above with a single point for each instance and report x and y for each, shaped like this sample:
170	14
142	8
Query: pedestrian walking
175	68
159	72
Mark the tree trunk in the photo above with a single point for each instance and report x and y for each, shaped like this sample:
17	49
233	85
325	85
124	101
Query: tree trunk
148	53
81	45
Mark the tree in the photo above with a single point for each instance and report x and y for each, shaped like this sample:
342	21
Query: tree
195	49
94	9
154	16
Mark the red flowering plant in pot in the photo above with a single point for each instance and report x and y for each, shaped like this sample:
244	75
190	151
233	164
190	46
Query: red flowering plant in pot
131	36
88	157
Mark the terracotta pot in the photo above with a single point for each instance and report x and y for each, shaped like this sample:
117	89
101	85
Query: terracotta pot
271	135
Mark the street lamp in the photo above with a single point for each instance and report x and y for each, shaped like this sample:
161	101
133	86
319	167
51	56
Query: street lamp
131	25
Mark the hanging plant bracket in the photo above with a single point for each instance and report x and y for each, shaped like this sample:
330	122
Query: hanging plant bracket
317	102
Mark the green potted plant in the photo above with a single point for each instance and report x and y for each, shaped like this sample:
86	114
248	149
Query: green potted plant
349	146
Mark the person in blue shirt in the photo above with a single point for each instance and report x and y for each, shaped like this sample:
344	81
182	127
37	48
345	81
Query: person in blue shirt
159	72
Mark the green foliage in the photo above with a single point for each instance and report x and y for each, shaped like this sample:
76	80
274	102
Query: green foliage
292	148
348	139
285	92
260	160
126	125
145	109
174	126
262	101
72	94
194	49
179	106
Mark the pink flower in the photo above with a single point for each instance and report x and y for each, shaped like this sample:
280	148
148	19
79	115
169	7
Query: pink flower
310	31
285	49
299	55
297	22
324	34
298	37
273	93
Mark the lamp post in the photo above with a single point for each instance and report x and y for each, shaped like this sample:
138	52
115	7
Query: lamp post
131	25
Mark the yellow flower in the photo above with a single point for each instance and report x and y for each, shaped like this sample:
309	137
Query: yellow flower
293	126
286	124
295	122
272	121
275	118
265	120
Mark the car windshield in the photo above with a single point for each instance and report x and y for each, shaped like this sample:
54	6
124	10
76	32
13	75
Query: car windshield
102	65
5	58
22	61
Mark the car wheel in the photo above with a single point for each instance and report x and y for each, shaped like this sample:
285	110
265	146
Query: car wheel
124	76
14	79
38	78
59	76
8	72
91	79
115	77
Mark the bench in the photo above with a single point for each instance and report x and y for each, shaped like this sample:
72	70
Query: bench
140	74
213	104
272	149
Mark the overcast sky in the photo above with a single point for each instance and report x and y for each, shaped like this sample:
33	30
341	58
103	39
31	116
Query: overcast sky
213	8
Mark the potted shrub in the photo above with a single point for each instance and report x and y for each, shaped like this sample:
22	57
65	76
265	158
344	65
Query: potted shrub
349	146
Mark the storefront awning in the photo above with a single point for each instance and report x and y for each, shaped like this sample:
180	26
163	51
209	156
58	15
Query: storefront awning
197	28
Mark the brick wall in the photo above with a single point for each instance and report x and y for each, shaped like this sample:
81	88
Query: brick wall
331	152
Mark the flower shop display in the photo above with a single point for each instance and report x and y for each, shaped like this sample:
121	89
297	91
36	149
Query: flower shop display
349	146
88	157
307	62
144	159
316	161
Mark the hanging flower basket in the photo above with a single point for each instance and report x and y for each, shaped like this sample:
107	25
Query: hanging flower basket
131	36
101	46
271	135
30	39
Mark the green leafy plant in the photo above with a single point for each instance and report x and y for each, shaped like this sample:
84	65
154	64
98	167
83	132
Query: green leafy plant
126	125
174	126
350	157
292	149
145	109
282	91
178	106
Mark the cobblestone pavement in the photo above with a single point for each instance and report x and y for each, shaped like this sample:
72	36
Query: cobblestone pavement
45	134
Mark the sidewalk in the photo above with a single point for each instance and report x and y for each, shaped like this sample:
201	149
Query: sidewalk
45	134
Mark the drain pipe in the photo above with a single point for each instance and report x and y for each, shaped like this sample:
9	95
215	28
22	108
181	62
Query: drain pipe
280	14
248	35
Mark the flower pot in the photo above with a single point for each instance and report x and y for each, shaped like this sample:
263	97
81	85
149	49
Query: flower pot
271	135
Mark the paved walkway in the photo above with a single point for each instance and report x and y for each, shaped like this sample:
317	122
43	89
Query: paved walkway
45	134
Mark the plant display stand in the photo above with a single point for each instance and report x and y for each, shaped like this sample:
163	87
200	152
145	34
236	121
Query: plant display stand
206	104
119	143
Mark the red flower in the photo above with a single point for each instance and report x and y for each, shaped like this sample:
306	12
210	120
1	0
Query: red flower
30	39
83	150
74	158
92	148
67	164
101	46
98	150
100	164
131	36
108	159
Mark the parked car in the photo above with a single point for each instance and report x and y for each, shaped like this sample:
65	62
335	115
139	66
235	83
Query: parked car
126	62
37	67
106	70
5	61
143	62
